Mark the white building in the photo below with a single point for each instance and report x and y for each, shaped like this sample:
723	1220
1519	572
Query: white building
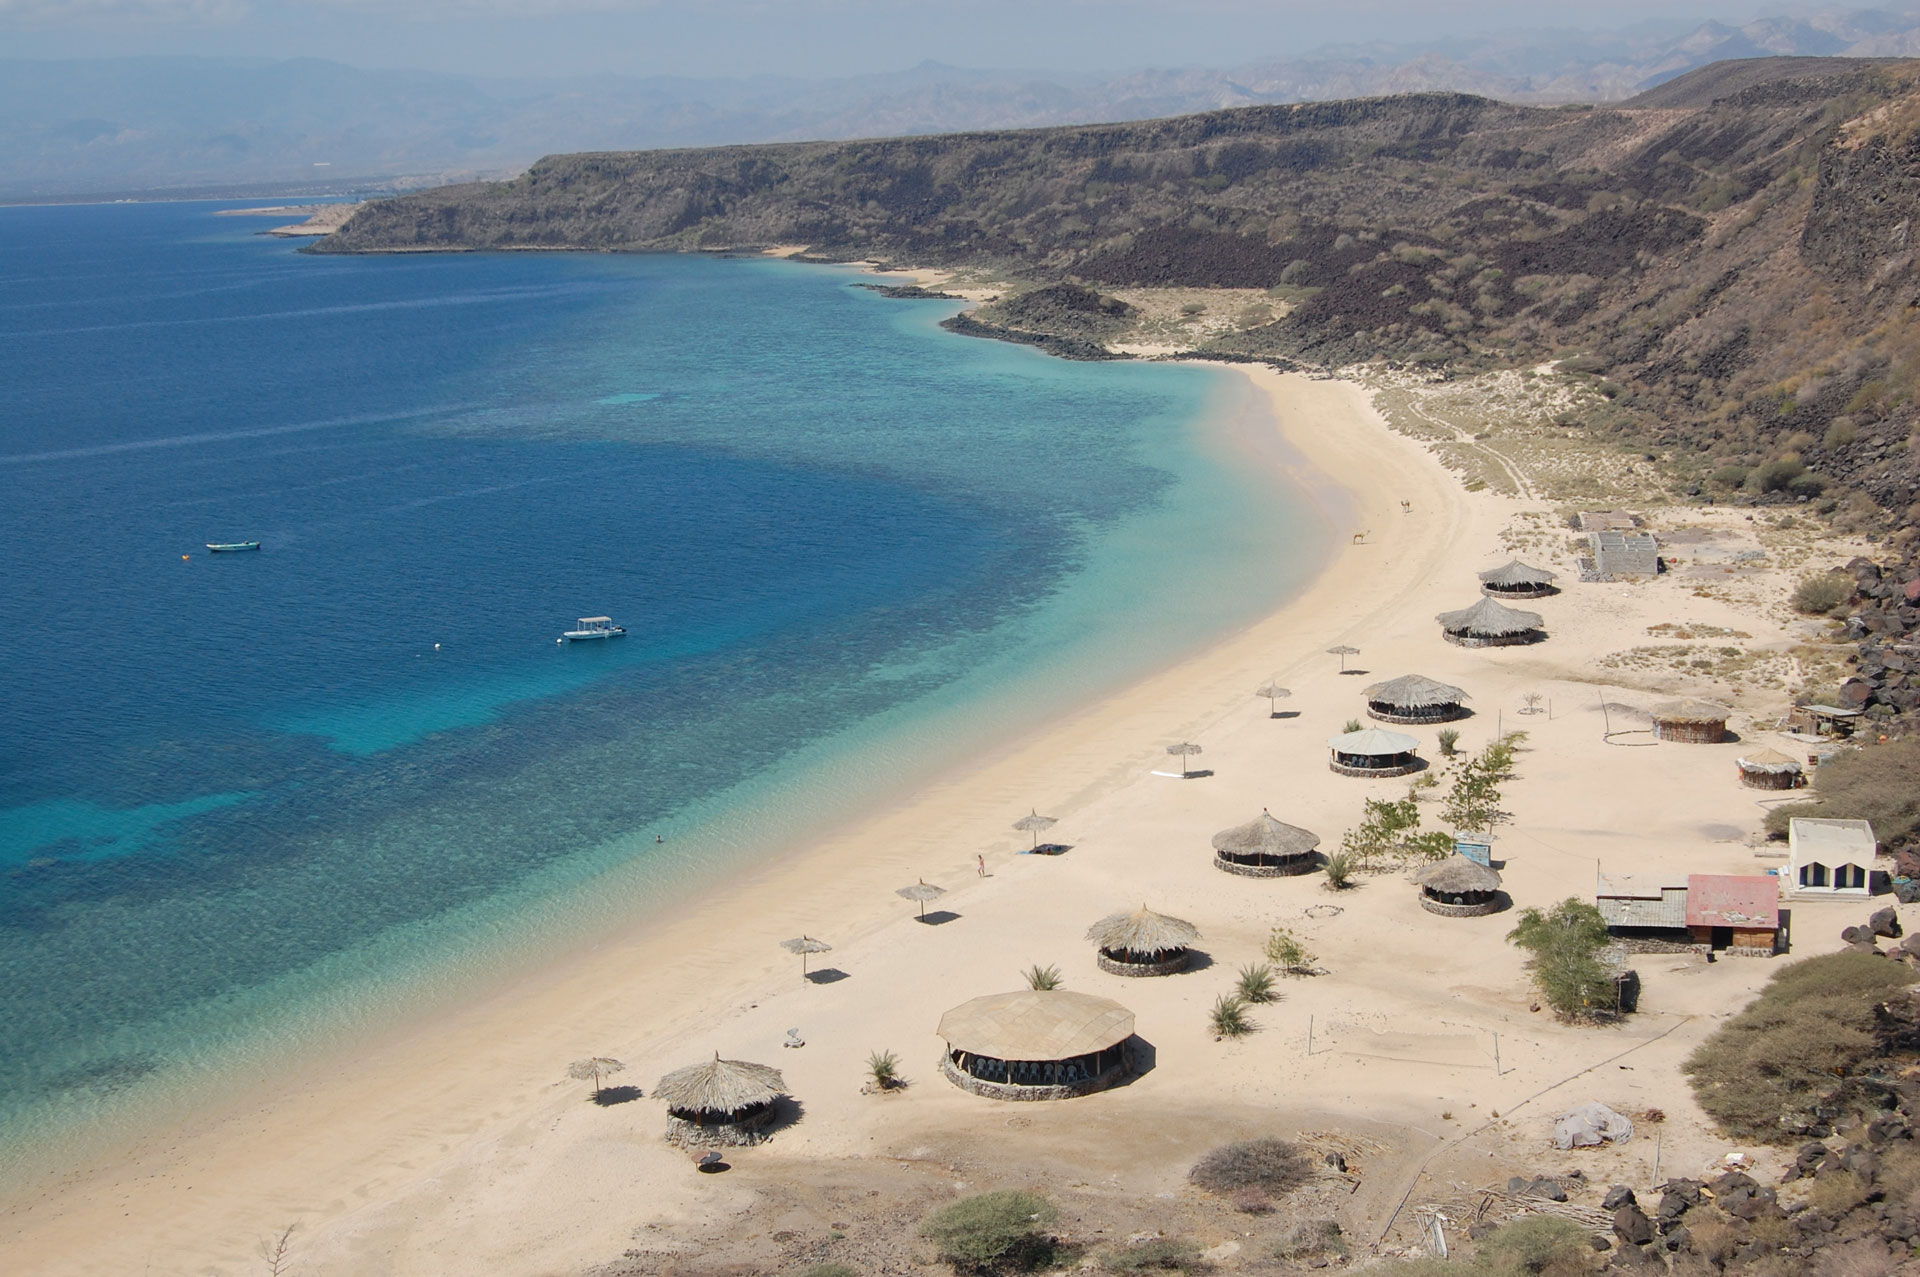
1830	857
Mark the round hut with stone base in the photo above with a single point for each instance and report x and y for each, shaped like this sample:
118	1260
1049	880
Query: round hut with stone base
1459	888
1266	848
1771	769
1037	1044
1413	699
1374	752
1690	722
1142	942
1490	623
1517	580
724	1102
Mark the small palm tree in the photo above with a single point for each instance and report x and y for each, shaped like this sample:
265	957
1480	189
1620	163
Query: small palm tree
1255	985
884	1068
1353	725
1340	868
1449	738
1042	978
1229	1018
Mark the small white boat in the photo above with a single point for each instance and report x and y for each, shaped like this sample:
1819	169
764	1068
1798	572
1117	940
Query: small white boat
594	627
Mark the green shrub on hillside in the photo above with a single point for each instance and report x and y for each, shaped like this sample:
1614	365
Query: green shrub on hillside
1801	1044
1873	784
989	1232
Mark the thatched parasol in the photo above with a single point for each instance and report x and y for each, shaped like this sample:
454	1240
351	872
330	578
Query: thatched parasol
1142	932
1265	836
1516	575
1035	824
1489	618
1343	652
1274	693
804	945
592	1069
1770	761
719	1089
1413	691
1183	748
1458	875
1689	711
922	891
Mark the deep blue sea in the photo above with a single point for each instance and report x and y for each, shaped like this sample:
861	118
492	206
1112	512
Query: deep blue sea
253	801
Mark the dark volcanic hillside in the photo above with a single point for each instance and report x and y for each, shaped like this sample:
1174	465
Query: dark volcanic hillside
1739	266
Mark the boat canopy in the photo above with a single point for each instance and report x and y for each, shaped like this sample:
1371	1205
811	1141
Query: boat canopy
596	620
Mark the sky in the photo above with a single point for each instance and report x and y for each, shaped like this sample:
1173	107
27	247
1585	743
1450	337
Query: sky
807	38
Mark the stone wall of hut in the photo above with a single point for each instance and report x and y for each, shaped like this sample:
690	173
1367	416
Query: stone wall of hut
1447	909
1167	966
1008	1091
1771	780
1521	639
749	1130
1400	769
1711	733
1287	868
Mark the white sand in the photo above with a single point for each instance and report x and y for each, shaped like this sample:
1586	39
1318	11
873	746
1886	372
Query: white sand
459	1148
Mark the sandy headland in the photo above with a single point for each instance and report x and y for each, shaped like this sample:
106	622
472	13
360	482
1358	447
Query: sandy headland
459	1145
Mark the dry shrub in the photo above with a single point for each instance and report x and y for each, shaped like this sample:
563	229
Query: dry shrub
1817	595
1797	1046
1273	1166
1873	784
1537	1244
1251	1201
1161	1255
1311	1238
1835	1194
1714	1235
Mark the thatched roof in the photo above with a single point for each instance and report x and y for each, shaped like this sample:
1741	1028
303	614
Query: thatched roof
1034	822
1265	836
806	944
1036	1024
1689	711
1490	617
1457	873
1771	761
1371	742
1142	931
1516	573
719	1086
1412	691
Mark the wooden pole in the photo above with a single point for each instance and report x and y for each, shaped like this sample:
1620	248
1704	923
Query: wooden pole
1497	1070
1309	1035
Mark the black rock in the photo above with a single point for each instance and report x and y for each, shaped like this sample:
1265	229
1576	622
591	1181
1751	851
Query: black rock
1338	1162
1547	1188
1631	1225
1885	922
1677	1239
1617	1196
1630	1257
1888	1127
1518	1184
1599	1243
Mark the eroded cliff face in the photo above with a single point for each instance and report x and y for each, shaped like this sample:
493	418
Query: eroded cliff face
1738	267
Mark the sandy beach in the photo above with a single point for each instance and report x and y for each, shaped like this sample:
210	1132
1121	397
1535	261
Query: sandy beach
459	1146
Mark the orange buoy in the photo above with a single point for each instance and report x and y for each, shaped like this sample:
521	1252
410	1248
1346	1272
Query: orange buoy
185	557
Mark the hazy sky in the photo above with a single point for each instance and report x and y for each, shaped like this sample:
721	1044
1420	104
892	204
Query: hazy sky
801	37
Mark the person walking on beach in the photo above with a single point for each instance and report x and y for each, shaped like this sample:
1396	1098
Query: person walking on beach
981	857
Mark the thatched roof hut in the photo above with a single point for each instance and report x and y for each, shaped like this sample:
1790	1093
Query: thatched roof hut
1490	623
1142	942
1691	721
1517	580
1770	769
720	1101
1265	848
1374	752
1037	1044
1459	888
1412	698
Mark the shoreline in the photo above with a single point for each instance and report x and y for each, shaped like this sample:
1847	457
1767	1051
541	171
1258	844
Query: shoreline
190	1157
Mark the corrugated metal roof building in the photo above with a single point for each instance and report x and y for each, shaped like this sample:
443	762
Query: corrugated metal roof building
1642	900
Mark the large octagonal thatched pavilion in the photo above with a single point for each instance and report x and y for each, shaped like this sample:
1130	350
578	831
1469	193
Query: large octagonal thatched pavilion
1142	942
1459	888
1490	623
719	1102
1770	769
1692	722
1517	581
1374	752
1037	1044
1266	848
1414	699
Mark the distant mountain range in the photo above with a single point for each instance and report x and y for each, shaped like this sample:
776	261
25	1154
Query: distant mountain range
145	125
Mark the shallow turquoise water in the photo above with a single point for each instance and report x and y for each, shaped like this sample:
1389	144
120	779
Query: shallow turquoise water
250	802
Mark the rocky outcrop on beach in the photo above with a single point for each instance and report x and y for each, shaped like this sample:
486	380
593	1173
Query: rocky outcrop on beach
1883	620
